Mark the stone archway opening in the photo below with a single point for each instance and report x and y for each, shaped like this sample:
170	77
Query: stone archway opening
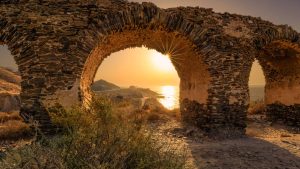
280	62
256	84
192	71
7	59
10	81
133	73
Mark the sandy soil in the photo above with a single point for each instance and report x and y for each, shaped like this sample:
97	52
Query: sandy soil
266	146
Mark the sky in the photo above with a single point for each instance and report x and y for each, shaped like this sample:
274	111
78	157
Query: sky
139	66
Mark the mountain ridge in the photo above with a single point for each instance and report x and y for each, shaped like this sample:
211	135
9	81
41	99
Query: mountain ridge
101	85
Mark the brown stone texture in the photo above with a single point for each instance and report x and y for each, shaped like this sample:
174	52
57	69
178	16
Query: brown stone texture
58	46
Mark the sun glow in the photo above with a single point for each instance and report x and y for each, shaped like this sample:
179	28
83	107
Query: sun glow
162	62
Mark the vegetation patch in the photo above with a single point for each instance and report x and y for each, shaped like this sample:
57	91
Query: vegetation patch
96	138
12	126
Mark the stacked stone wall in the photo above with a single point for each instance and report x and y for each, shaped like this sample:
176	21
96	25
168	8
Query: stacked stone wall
289	115
59	44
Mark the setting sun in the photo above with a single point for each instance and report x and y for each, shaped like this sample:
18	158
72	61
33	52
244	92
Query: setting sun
162	62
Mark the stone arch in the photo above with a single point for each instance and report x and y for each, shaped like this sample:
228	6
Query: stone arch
7	30
20	43
53	43
257	80
277	50
273	46
191	69
197	93
225	98
280	60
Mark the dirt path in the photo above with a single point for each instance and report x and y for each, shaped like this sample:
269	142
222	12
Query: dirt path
266	146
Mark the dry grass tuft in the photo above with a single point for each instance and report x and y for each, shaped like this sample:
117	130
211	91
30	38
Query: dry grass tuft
4	117
13	129
96	138
163	115
152	111
152	115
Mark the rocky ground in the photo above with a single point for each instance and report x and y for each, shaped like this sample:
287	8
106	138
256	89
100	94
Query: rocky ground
266	146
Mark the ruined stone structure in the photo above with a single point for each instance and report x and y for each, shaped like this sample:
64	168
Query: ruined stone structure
59	44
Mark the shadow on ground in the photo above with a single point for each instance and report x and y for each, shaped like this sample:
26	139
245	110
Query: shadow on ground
242	153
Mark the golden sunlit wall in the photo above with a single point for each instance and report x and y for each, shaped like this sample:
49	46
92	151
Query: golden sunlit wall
138	66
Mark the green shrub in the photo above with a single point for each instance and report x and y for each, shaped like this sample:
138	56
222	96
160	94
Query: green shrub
95	138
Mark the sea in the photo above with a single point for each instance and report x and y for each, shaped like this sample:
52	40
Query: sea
170	95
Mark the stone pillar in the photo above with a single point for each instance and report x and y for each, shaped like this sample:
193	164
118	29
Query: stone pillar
193	103
194	91
49	78
219	100
228	97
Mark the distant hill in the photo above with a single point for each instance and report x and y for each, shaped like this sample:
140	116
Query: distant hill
9	90
9	75
102	85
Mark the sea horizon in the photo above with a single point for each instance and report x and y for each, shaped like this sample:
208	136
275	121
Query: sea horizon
170	94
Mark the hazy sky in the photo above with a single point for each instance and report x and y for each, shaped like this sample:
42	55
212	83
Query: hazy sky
138	66
135	66
6	59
